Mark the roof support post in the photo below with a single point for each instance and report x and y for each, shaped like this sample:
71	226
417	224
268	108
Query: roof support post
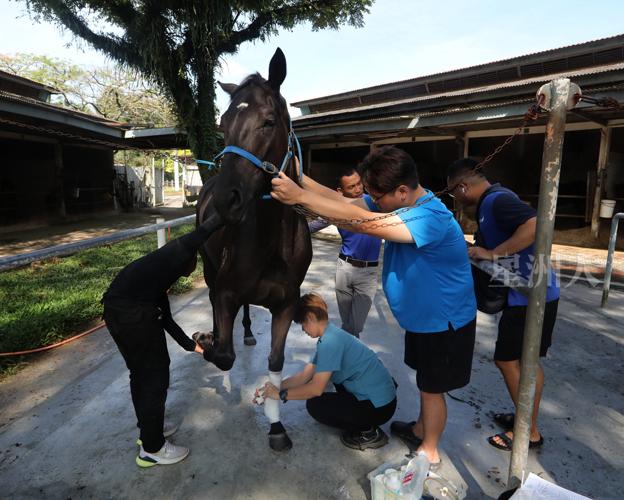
549	190
462	151
603	158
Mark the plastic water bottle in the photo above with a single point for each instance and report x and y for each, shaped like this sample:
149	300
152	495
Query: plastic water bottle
414	477
392	480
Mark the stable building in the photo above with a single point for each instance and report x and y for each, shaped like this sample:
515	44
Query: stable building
58	162
469	112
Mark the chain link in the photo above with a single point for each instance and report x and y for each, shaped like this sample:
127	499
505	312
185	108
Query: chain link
531	114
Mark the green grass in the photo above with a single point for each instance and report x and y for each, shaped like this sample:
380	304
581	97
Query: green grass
49	301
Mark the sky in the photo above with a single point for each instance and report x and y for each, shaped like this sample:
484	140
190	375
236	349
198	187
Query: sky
401	39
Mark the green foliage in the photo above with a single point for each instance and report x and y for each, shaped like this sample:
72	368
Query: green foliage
47	302
178	44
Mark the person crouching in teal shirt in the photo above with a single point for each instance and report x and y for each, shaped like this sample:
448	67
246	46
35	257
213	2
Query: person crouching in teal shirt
365	396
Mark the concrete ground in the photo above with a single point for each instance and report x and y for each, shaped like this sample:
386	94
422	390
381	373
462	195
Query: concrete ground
67	428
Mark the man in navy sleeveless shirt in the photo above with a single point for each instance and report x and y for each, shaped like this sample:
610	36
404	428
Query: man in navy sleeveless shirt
357	265
506	231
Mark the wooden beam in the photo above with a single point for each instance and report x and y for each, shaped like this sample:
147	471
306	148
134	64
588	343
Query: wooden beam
589	117
603	158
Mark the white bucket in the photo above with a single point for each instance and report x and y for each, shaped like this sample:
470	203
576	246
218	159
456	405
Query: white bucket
607	208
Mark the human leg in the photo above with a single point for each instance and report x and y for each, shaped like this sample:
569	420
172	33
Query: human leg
138	333
443	362
364	288
344	294
507	359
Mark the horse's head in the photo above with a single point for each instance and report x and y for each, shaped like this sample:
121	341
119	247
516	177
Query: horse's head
256	121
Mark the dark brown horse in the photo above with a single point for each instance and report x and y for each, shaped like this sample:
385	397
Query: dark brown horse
262	254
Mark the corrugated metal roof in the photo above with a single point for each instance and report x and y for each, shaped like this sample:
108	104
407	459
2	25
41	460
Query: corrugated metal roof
476	90
449	73
9	96
5	75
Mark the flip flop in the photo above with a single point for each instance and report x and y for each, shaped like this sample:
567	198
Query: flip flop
505	420
508	442
403	430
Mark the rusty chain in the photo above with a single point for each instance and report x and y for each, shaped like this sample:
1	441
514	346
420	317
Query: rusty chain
531	114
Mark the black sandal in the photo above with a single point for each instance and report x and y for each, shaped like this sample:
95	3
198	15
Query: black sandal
505	420
508	442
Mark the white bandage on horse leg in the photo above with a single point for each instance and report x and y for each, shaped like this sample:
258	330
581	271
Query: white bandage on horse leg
271	406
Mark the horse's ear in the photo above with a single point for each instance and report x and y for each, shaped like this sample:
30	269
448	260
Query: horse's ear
228	87
277	69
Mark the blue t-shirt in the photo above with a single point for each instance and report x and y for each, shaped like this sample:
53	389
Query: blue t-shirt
500	212
428	283
354	366
360	246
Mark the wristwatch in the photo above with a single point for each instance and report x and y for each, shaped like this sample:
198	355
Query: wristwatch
283	394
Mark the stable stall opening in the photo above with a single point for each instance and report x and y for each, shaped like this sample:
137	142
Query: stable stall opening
518	167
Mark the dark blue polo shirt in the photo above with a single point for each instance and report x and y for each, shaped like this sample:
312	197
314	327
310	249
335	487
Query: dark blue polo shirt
500	212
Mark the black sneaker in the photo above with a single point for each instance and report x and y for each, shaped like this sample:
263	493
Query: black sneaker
375	438
403	430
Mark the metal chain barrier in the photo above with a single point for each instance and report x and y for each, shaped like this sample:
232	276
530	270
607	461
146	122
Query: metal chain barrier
531	114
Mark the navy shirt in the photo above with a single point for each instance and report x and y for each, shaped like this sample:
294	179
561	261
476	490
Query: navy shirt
428	283
354	366
360	246
499	214
356	245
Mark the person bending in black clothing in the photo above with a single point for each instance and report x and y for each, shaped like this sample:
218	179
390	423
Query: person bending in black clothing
137	312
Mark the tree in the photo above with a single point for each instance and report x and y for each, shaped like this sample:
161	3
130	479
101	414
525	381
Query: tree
178	44
118	94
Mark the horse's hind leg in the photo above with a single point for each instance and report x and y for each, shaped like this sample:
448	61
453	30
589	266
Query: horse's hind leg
249	338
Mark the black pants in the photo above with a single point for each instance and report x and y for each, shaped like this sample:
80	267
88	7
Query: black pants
138	332
342	409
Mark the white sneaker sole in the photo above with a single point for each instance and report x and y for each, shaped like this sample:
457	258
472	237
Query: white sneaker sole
147	461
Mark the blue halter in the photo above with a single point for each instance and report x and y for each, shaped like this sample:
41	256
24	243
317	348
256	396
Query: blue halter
265	166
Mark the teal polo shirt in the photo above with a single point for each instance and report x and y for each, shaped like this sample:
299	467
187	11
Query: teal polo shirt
354	366
428	283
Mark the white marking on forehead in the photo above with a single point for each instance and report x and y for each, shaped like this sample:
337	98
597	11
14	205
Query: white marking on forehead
242	105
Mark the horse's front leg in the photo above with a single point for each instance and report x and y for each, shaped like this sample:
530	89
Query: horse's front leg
221	351
281	320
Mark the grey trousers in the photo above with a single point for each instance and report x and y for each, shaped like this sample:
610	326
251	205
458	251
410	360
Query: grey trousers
355	291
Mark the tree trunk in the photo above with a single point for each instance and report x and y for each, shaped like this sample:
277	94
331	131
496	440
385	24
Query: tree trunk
205	135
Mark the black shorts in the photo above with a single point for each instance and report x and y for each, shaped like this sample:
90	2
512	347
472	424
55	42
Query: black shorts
442	360
511	331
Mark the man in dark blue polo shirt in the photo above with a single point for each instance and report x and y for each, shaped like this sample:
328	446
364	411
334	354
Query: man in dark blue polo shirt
357	266
506	232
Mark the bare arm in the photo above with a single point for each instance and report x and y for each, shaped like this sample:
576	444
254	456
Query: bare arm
522	237
286	191
303	377
311	389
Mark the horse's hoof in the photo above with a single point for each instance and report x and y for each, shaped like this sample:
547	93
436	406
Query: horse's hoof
280	442
251	340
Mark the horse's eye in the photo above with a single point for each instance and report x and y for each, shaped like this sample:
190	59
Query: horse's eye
269	123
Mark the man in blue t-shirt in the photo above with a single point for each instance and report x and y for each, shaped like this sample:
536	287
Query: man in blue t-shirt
506	232
365	396
357	265
426	277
